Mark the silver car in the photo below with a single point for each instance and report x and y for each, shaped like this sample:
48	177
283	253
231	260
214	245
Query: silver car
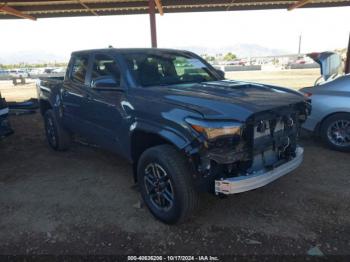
330	116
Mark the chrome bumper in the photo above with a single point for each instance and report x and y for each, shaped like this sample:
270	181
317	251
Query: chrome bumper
240	184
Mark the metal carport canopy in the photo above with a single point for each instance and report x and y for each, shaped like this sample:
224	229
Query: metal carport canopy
33	9
63	8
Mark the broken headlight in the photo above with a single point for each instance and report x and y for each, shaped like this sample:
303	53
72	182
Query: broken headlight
215	129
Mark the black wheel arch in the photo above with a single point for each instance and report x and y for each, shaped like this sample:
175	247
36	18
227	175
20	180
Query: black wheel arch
146	136
44	106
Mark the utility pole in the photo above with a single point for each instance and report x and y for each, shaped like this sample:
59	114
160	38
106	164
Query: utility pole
299	48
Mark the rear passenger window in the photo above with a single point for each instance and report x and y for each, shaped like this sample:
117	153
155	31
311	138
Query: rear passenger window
105	67
79	69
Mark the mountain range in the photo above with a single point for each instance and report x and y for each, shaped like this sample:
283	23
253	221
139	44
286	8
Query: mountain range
241	50
31	57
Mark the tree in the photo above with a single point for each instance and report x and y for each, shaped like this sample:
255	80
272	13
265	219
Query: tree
230	56
209	58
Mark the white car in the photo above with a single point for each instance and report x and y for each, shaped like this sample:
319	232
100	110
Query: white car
18	73
330	115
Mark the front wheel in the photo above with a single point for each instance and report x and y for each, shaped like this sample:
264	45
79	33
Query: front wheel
335	132
165	183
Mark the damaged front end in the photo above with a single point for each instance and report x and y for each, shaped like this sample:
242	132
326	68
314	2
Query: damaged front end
259	151
5	127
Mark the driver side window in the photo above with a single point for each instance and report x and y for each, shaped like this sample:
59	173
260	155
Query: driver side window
79	69
104	68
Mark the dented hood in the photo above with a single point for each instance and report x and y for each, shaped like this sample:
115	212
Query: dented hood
227	99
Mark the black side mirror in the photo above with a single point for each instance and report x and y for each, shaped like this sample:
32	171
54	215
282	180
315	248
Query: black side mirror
221	73
105	83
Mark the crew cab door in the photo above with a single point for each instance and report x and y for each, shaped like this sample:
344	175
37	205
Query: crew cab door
74	93
104	103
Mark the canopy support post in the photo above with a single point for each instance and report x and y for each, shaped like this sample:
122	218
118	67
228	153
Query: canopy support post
347	61
152	19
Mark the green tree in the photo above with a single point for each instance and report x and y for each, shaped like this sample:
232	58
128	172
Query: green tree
230	56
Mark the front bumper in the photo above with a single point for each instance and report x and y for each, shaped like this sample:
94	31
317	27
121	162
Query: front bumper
240	184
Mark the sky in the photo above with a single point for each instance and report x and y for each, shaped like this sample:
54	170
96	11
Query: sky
321	29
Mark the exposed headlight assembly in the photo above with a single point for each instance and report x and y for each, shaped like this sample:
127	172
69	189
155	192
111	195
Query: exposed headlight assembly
212	129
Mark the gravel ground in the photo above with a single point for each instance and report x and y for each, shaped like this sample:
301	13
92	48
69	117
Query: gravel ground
84	202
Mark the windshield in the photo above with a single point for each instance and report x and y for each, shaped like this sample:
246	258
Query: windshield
167	68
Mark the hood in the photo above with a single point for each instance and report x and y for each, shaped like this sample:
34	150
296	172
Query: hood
330	63
226	99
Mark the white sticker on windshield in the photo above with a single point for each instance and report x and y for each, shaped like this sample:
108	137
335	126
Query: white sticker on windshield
196	63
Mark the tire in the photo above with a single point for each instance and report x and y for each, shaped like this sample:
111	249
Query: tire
329	130
58	138
176	184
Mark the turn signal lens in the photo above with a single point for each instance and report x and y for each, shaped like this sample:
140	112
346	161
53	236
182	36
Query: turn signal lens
199	129
307	94
214	129
212	133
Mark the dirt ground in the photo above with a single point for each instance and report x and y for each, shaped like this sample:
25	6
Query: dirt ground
296	78
18	93
83	201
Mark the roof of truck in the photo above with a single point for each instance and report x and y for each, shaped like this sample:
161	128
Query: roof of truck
129	50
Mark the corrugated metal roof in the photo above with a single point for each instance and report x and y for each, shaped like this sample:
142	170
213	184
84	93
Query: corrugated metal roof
62	8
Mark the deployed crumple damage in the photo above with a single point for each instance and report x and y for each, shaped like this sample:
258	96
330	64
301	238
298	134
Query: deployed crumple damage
268	140
5	127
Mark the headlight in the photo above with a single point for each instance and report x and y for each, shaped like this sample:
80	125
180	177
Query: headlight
215	129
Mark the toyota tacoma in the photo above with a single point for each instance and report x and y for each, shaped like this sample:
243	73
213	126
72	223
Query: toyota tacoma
184	128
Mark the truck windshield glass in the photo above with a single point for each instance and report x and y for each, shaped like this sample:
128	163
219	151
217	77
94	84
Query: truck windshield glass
168	69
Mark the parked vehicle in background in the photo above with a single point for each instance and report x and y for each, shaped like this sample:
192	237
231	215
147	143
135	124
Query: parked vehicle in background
18	73
238	62
3	72
34	72
5	127
48	70
330	117
184	128
59	70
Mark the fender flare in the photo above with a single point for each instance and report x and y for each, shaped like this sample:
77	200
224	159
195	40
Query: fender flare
169	134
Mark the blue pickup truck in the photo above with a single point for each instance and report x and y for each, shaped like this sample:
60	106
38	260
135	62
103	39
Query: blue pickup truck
178	121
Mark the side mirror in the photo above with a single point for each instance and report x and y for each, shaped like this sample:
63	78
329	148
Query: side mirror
221	73
330	63
105	83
